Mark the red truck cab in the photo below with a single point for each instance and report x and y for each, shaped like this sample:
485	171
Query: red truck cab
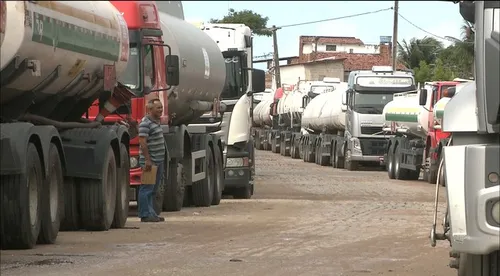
435	136
145	74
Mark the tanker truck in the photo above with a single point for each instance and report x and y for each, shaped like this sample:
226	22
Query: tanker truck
234	124
471	161
414	120
323	125
58	170
284	133
368	92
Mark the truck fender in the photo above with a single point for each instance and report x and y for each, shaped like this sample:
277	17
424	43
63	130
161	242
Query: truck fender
13	143
47	135
175	141
86	149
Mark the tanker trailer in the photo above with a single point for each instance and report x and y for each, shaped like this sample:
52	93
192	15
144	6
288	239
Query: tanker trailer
56	59
262	122
323	121
418	139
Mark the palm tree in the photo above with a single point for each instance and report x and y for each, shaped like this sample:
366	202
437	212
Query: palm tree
426	49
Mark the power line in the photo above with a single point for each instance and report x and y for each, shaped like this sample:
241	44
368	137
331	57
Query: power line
331	19
425	31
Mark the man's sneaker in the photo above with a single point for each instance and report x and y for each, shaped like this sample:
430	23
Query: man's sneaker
160	218
150	219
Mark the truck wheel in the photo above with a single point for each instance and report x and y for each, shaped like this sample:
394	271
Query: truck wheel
349	164
323	160
71	217
399	173
480	265
97	197
282	148
390	162
433	169
122	186
52	199
258	142
21	204
243	192
442	175
413	175
176	188
219	177
203	189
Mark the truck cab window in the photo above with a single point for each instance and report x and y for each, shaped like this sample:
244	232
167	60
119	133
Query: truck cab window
149	76
234	87
131	77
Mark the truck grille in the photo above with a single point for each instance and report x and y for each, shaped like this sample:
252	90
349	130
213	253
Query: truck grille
369	130
373	147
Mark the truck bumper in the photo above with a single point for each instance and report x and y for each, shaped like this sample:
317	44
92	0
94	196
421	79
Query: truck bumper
236	177
364	158
473	190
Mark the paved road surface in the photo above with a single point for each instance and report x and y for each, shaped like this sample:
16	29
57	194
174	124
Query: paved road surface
304	219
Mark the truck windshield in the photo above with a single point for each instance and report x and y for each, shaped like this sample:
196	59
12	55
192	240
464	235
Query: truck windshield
131	76
234	86
371	103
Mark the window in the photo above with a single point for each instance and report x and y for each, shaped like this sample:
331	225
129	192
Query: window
331	48
130	77
149	75
351	51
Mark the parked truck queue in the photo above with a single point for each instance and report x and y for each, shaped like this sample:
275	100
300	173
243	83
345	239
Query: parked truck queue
75	85
76	77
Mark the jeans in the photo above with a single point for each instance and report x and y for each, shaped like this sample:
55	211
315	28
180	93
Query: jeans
146	195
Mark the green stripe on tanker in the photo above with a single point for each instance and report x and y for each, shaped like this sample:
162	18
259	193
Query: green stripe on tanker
401	117
439	114
53	32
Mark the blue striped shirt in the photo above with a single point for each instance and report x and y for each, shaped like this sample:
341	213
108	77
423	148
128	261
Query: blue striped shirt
156	143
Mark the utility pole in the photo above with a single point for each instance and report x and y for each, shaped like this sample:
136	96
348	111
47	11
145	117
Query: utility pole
276	59
395	37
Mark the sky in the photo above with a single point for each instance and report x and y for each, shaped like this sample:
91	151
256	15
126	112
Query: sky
439	18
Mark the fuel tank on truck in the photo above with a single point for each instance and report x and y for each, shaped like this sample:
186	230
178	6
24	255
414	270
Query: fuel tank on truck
202	69
262	112
406	113
324	112
59	47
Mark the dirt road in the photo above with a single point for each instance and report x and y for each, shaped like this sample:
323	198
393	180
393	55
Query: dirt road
303	220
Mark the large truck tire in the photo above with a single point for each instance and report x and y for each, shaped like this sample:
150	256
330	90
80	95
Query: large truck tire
52	199
432	173
71	218
399	173
21	204
390	162
203	189
245	192
219	176
97	197
122	186
176	188
479	265
349	164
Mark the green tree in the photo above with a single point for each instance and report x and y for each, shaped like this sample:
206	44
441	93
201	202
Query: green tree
412	52
423	72
459	57
440	72
254	21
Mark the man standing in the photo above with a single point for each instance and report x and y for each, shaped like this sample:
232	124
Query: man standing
151	152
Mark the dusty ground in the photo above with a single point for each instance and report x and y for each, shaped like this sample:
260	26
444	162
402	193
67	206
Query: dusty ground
303	220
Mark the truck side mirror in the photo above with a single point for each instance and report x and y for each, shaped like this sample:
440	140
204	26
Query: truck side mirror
344	98
258	81
173	70
422	98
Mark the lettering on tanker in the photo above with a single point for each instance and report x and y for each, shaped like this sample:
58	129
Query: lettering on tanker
207	63
384	81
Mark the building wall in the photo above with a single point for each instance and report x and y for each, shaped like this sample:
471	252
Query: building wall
341	48
291	74
319	70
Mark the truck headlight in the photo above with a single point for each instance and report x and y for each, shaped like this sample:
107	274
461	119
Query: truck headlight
236	162
495	212
355	143
134	163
